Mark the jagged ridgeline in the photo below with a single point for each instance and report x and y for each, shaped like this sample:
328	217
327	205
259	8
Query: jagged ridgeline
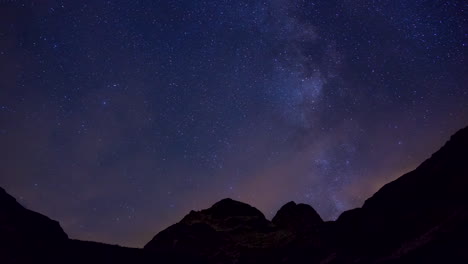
422	217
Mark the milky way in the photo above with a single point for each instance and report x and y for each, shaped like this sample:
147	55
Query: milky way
119	117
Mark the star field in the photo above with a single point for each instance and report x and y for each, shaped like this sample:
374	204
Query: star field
119	117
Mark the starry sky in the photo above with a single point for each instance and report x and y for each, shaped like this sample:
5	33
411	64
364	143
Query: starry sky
119	117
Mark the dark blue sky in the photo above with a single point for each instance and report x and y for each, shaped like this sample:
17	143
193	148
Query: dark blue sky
118	117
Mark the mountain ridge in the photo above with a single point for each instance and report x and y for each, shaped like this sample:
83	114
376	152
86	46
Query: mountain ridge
421	216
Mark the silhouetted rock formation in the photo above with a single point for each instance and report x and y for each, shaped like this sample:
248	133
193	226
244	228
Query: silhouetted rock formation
30	237
422	217
228	215
20	225
297	217
22	230
221	233
414	212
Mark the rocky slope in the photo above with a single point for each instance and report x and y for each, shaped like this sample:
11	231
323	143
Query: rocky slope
22	229
422	217
408	216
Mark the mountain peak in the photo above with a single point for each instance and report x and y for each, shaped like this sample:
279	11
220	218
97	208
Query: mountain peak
227	214
296	216
229	207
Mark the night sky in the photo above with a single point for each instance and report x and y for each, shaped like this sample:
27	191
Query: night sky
119	117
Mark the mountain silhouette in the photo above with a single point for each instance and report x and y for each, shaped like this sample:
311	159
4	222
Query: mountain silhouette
297	217
421	217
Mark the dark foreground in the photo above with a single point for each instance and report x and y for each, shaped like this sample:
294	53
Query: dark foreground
422	217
